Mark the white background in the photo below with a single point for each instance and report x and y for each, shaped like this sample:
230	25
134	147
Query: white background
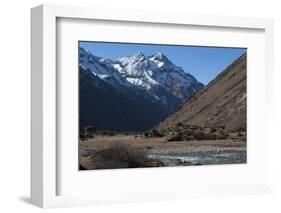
15	105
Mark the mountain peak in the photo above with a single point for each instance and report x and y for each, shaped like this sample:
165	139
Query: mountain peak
139	53
138	56
132	59
155	74
159	56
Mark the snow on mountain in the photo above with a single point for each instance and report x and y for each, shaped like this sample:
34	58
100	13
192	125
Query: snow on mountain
157	70
138	70
156	74
102	68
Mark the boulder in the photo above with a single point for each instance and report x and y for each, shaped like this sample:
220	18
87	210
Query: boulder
190	138
84	153
176	137
146	134
90	129
199	135
220	135
156	133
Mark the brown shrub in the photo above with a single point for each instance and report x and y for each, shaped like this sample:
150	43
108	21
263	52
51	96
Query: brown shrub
123	156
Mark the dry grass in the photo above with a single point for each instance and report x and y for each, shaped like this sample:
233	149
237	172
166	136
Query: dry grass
105	142
119	156
128	151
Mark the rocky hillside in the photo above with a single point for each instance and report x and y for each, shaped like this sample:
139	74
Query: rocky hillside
221	104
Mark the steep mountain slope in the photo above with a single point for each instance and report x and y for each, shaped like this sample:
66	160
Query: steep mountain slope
106	108
222	103
161	80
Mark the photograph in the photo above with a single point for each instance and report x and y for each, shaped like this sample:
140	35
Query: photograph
161	105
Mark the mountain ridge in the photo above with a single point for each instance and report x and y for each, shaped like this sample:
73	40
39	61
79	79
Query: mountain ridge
152	82
156	74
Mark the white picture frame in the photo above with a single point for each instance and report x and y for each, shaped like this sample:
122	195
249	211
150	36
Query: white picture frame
44	154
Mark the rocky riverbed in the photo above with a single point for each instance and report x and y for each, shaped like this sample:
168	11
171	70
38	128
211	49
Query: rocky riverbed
133	151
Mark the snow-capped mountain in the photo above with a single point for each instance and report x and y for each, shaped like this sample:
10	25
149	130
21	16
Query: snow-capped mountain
102	68
154	76
158	75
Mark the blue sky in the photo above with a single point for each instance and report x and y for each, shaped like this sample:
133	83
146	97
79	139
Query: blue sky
204	63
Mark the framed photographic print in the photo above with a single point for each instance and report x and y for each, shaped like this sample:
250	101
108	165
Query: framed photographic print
130	106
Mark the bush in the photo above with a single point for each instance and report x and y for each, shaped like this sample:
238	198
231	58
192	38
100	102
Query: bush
123	156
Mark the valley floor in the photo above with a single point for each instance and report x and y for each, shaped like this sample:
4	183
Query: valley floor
132	151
